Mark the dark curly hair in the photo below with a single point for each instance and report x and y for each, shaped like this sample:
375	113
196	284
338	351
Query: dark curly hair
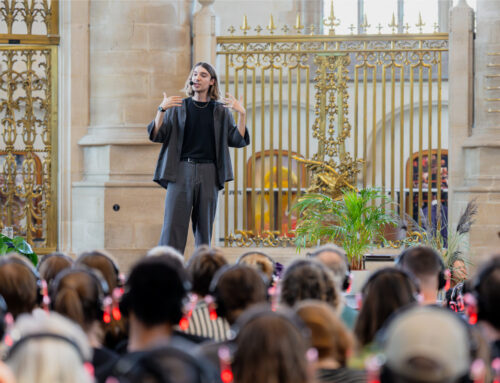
308	279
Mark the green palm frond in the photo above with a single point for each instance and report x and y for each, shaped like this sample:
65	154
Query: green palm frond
354	221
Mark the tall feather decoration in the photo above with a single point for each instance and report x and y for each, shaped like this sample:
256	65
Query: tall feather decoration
466	219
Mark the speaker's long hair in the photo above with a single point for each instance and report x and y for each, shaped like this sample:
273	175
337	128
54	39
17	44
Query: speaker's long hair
214	90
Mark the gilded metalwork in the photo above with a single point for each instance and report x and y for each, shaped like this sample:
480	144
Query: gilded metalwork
29	21
28	110
388	77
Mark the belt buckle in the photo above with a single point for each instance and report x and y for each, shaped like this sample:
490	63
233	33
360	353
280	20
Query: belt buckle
190	160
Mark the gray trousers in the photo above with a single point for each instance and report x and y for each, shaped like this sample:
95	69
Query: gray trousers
193	195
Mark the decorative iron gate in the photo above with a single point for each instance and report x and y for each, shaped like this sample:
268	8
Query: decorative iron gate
28	112
390	117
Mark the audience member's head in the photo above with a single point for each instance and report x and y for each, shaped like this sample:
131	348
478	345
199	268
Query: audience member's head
486	288
426	344
153	298
78	294
428	268
328	334
271	347
50	348
104	263
202	266
385	291
236	288
19	284
458	271
334	258
261	261
52	264
166	251
308	279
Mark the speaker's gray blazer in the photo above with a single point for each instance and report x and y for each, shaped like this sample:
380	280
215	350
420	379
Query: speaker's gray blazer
171	134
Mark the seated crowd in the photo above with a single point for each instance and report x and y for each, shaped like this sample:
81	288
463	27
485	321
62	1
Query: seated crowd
254	321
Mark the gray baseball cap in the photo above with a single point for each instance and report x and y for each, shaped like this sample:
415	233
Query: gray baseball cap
427	344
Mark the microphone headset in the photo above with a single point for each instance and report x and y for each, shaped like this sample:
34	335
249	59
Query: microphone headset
191	82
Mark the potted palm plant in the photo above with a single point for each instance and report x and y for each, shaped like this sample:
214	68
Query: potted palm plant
354	221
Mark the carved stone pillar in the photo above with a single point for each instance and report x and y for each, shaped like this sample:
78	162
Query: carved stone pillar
204	32
480	163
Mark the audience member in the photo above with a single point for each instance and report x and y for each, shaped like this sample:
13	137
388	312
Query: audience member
80	294
385	291
167	251
261	261
49	348
202	266
115	332
486	292
332	340
19	284
104	263
271	346
51	264
308	279
153	301
428	268
426	344
335	259
235	289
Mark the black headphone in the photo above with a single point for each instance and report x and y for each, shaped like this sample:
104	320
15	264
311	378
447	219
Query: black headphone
249	253
134	367
347	279
36	276
3	311
51	255
102	286
388	376
45	335
410	281
401	259
107	257
220	307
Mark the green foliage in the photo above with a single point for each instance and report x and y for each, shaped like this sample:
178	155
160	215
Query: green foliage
354	221
17	245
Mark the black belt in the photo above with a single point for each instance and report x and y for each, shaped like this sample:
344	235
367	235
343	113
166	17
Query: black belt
197	160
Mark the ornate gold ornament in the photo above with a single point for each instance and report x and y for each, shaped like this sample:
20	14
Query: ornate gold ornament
28	112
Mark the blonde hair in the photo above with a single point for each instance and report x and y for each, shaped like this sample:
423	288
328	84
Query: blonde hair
49	359
214	90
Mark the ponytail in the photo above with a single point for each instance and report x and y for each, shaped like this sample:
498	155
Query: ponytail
68	303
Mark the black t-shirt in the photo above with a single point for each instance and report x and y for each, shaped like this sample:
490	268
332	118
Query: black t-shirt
199	137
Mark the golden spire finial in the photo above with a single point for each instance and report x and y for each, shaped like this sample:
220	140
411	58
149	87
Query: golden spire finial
393	25
420	23
331	21
271	27
245	27
298	25
365	25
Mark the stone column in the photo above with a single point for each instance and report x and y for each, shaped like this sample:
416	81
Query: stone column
138	50
205	27
461	95
481	151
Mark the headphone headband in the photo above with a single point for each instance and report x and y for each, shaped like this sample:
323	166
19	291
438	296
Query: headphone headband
45	335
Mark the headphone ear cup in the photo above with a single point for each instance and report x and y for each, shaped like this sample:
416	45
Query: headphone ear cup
441	280
346	283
